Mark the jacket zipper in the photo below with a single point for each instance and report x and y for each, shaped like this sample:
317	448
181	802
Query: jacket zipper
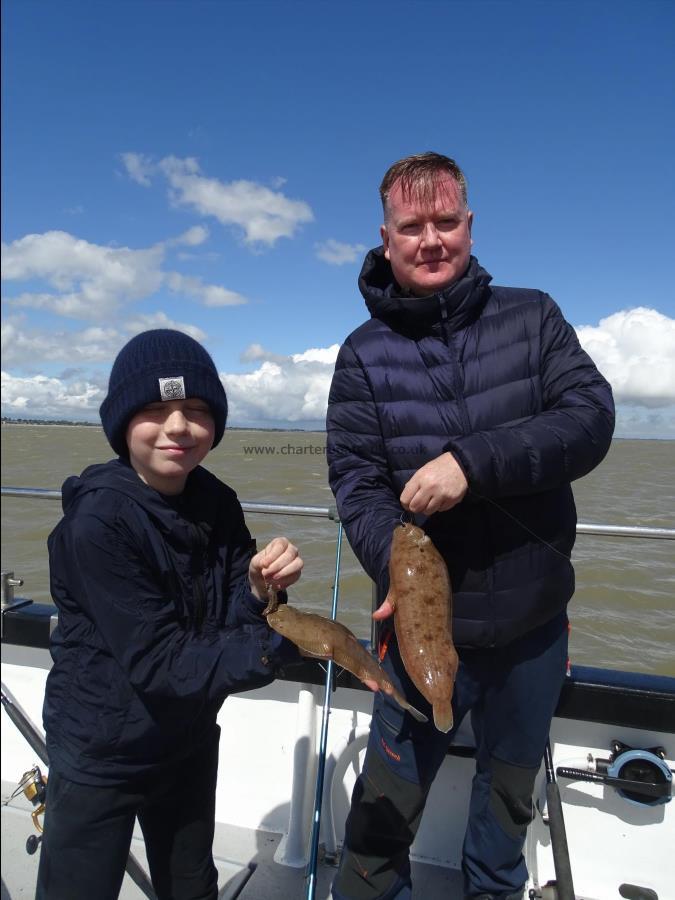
466	425
454	365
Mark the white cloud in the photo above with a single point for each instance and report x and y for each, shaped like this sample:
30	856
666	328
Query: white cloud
23	348
324	355
256	352
92	282
78	392
253	352
208	294
336	253
291	389
50	397
30	348
139	167
193	236
144	322
265	215
635	351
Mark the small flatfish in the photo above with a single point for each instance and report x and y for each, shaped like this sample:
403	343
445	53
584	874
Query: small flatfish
420	593
323	638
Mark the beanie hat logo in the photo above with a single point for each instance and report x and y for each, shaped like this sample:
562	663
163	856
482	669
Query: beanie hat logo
172	388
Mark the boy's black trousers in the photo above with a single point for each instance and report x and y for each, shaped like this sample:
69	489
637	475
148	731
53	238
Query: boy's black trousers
88	833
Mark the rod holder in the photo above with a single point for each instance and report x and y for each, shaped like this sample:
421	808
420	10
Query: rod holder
9	601
9	582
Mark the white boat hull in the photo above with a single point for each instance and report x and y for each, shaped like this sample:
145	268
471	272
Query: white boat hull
273	735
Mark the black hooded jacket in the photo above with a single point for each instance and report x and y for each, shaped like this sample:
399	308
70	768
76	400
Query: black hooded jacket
495	376
157	623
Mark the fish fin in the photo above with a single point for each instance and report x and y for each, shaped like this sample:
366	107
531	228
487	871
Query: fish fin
403	703
311	655
416	714
443	718
391	597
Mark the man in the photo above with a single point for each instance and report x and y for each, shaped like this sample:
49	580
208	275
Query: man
470	408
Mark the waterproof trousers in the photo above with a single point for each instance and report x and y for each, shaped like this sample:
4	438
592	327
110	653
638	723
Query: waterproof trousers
88	831
511	694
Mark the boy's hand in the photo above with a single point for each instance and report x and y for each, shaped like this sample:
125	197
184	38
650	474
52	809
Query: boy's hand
278	564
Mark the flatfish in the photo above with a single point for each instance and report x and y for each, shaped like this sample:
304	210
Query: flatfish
323	638
420	593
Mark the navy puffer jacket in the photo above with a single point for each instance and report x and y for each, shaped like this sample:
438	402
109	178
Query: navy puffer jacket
497	377
157	623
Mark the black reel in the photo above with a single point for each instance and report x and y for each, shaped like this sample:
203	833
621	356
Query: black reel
641	776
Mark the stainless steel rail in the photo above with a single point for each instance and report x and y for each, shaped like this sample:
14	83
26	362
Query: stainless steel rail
330	512
35	493
282	509
626	531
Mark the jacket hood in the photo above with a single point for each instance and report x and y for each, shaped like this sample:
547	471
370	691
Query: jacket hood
118	475
386	300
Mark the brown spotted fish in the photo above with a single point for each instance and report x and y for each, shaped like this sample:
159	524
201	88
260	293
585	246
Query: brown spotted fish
323	638
420	593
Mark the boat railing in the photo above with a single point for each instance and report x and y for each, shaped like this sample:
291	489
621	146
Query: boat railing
625	699
320	512
330	512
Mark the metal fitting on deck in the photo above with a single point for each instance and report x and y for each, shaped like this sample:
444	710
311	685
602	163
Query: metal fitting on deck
9	582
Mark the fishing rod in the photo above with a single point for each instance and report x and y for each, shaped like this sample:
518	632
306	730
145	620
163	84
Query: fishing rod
556	824
37	744
318	796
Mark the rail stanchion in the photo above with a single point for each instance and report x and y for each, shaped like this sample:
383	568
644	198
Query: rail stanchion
323	741
556	824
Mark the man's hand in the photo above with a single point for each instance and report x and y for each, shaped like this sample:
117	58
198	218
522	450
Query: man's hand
383	611
278	564
437	486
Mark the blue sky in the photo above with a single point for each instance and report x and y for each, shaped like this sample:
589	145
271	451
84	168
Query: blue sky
214	166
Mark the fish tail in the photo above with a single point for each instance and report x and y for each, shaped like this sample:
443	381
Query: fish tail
443	718
415	713
403	703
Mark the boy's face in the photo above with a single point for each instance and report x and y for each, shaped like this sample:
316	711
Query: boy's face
167	440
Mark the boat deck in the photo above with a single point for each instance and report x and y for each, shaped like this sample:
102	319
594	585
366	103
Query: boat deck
244	857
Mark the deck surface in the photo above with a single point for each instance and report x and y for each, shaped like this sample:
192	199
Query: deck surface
245	861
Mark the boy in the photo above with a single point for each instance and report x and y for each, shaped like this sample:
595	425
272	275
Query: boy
160	597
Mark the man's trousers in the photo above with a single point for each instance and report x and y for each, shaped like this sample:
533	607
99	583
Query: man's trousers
511	693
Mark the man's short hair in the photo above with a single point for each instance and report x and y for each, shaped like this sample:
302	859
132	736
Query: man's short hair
418	175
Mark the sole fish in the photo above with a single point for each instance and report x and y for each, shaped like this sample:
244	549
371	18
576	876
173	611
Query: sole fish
323	638
420	593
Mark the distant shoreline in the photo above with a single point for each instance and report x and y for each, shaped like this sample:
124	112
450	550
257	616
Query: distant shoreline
50	422
64	423
56	423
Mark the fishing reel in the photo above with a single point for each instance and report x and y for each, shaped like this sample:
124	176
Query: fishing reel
641	776
34	786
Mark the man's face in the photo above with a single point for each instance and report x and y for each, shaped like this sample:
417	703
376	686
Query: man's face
427	244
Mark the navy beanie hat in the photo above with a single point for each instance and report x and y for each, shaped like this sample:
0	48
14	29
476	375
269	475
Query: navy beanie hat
160	365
